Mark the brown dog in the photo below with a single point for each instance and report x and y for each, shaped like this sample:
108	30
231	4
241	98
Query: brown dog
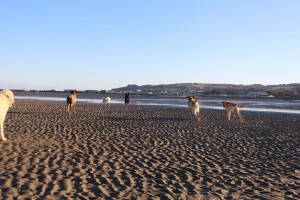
193	104
232	108
71	101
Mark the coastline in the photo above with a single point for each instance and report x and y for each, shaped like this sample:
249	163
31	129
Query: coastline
147	152
259	105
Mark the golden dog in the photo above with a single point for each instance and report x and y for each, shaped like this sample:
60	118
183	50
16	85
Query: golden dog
232	108
71	101
193	104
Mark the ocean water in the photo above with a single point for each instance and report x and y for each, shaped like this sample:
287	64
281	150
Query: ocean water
281	106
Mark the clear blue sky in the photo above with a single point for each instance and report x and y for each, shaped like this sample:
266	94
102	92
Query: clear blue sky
101	44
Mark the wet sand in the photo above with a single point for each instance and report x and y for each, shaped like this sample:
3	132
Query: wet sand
147	152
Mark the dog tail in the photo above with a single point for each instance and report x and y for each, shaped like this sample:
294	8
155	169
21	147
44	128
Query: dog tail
242	106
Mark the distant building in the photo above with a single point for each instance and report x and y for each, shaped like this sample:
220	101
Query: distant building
68	90
91	91
258	94
199	93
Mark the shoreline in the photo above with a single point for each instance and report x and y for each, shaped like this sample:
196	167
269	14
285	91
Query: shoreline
95	94
147	152
257	106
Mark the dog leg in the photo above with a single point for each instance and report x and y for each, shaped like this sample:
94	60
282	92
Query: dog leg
240	119
229	114
68	109
195	113
2	131
236	115
199	117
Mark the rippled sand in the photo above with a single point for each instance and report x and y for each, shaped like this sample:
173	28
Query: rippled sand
147	152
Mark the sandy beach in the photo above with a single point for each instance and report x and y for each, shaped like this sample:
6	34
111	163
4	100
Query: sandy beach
147	152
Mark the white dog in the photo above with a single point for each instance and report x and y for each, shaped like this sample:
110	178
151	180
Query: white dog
193	104
107	100
6	102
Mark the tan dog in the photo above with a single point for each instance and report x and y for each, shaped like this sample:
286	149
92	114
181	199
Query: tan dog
71	101
6	102
232	108
193	104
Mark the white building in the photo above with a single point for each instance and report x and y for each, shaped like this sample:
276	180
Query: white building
258	94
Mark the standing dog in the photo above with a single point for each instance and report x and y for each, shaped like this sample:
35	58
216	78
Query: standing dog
107	100
193	104
232	108
126	100
71	101
6	102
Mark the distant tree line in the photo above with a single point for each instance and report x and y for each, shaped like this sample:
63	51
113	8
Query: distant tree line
280	91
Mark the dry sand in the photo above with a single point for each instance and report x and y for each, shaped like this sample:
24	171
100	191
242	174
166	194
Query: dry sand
147	152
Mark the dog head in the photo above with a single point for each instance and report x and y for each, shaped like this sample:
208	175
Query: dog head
224	103
106	99
10	95
191	98
74	92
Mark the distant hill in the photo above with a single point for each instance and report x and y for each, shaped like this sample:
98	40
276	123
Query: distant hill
282	90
